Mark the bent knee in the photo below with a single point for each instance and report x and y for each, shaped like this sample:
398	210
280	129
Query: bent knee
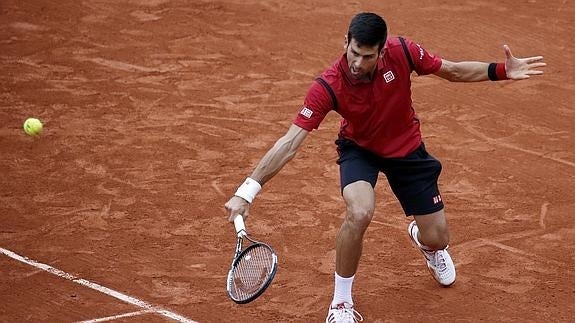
359	218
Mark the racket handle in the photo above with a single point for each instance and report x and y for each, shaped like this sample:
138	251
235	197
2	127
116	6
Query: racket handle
240	225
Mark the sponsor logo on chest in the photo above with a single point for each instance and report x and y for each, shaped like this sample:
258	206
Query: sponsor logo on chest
388	76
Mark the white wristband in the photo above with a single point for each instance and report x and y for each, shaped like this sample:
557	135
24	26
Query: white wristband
249	189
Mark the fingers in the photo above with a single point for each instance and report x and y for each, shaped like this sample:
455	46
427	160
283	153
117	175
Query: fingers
534	59
536	65
236	206
231	211
528	60
526	74
233	216
532	68
508	53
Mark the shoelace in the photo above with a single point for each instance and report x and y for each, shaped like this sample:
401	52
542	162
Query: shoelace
437	259
440	262
345	314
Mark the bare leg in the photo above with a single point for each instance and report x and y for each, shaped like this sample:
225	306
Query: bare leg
431	235
433	230
360	200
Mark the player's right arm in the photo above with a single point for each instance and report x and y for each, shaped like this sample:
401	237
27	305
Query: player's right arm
282	151
271	163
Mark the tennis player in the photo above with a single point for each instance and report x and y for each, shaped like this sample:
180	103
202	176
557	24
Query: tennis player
370	87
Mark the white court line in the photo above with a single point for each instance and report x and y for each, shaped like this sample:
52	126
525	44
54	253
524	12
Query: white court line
114	317
99	288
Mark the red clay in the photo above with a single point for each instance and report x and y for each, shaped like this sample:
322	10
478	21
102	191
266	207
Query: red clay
154	112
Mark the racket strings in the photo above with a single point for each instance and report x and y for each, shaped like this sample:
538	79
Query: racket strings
252	271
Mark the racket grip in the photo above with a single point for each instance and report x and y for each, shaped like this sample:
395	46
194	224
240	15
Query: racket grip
240	225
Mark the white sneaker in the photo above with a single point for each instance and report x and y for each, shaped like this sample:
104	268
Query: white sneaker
439	262
343	313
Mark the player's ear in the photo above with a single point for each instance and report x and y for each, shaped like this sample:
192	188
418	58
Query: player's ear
345	42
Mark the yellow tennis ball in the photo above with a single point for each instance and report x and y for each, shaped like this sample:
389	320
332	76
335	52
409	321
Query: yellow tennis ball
33	126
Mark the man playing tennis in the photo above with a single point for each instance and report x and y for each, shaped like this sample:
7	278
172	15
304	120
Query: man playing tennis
370	87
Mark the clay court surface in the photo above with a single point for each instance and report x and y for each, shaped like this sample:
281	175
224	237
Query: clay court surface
155	111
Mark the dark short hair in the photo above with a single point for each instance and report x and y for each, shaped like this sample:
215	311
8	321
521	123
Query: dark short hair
368	29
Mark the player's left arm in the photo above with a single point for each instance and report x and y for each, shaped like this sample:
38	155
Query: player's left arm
470	71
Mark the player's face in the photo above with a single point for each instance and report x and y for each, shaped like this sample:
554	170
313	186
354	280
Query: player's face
361	60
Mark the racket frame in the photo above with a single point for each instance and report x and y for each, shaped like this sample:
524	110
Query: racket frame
241	235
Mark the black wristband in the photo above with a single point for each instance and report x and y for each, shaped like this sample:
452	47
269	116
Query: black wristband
491	72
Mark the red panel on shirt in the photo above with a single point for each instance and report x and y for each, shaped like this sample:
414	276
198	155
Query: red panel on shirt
377	115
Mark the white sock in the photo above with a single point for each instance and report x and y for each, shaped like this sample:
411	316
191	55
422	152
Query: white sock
342	290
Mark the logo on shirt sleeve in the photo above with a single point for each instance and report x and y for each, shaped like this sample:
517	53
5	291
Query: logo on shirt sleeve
306	112
420	52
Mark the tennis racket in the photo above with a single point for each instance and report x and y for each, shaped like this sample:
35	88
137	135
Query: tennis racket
253	268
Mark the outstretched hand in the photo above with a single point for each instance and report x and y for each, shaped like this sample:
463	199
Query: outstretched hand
522	68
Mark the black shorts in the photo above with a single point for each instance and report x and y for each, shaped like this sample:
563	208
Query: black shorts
413	178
